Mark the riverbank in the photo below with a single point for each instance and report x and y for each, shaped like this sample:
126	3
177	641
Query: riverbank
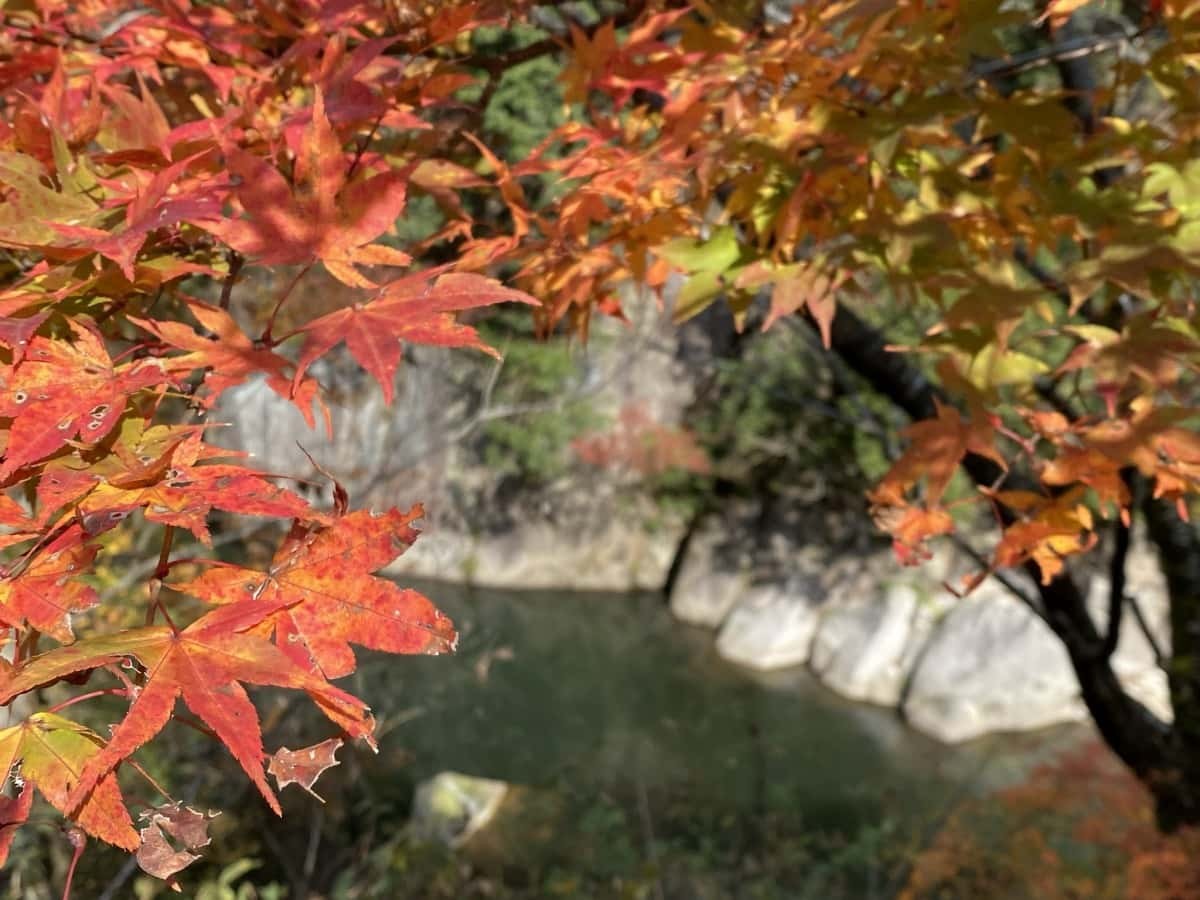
865	627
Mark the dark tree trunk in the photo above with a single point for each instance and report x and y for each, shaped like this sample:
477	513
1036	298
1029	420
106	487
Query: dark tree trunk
1178	790
1165	758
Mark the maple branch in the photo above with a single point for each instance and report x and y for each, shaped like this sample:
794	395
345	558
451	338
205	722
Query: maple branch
27	646
1179	556
1061	53
361	147
236	261
498	65
1116	574
164	554
118	880
1001	577
1136	484
1160	658
266	338
1134	733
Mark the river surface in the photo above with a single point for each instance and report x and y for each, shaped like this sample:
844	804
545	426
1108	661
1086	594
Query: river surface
609	702
646	766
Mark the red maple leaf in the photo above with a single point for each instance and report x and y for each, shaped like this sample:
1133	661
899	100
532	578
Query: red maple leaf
418	308
67	389
46	592
324	217
205	665
325	598
230	356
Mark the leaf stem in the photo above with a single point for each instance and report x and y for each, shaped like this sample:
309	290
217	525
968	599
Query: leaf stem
192	722
266	338
236	261
161	571
115	671
78	840
71	701
137	767
202	561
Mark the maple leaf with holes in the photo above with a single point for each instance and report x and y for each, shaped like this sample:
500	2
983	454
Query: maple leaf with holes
325	598
230	356
48	591
187	829
323	217
418	308
63	390
52	753
205	665
304	766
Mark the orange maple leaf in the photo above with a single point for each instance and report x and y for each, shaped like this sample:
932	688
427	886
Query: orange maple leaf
416	308
325	598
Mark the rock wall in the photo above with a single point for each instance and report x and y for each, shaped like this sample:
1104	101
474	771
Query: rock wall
871	631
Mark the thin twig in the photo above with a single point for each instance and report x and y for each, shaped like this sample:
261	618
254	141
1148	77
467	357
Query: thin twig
1160	658
236	261
1122	533
1055	54
1011	586
118	881
266	338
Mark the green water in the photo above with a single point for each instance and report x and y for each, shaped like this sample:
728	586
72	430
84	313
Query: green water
607	701
650	769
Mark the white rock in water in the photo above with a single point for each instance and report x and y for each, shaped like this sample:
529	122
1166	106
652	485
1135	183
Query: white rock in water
772	626
992	665
450	807
704	592
705	598
865	647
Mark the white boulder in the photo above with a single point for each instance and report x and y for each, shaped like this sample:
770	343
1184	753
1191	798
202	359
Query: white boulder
991	665
704	592
864	648
772	625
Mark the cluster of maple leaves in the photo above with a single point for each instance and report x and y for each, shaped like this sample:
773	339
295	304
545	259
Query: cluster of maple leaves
152	152
1046	235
